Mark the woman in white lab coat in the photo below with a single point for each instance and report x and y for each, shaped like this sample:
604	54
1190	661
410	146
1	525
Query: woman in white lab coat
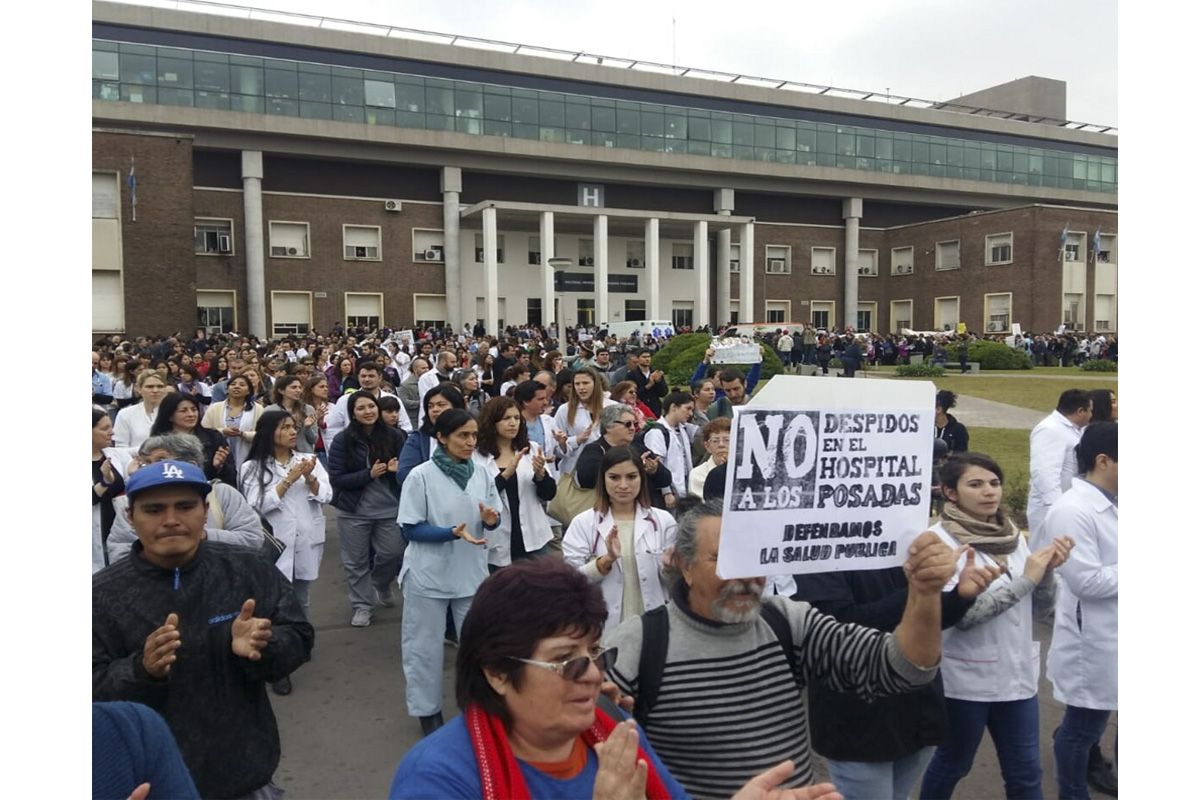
518	468
576	419
1082	665
990	660
289	489
623	543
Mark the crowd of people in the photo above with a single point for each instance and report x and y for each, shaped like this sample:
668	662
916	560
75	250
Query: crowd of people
555	514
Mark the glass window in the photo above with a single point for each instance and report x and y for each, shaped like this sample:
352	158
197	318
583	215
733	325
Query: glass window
315	88
551	114
699	128
764	135
722	132
105	65
380	94
439	100
785	136
175	72
605	139
468	103
806	139
283	107
468	125
136	93
865	146
676	126
282	84
937	153
380	116
310	110
1004	160
652	123
250	104
497	108
245	79
524	131
524	110
211	76
743	134
628	121
826	139
137	68
579	116
604	119
348	113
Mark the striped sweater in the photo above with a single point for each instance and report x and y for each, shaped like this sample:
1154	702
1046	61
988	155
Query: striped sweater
727	706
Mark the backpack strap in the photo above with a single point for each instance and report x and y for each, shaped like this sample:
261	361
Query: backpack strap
656	632
778	622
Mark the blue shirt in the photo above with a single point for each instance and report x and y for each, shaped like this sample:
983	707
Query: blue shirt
443	766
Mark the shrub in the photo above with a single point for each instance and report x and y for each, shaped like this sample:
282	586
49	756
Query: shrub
1016	494
1099	365
919	371
994	355
678	359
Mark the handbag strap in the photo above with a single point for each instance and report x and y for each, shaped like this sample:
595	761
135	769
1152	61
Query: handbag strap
216	512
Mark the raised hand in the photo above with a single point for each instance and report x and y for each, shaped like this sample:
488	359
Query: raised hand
650	462
561	438
508	471
974	578
1047	558
621	774
461	532
490	516
106	470
308	465
613	692
931	563
296	472
539	464
1062	551
220	456
250	633
393	464
612	543
158	654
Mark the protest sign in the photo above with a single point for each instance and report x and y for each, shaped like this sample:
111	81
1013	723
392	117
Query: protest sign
405	337
735	351
827	476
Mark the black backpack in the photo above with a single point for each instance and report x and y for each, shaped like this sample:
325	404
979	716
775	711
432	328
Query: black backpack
656	635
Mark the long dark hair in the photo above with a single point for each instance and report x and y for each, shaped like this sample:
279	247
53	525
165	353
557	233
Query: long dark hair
262	449
166	410
489	416
446	390
381	445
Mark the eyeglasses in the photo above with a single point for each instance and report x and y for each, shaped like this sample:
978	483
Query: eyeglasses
628	423
573	669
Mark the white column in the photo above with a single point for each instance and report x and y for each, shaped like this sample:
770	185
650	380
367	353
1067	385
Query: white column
600	251
653	311
456	315
256	282
491	272
723	205
700	261
851	212
546	245
746	285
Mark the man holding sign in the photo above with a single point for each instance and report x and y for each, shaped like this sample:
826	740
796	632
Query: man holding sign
732	665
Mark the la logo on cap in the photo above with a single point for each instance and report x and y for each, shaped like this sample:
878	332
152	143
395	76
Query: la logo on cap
173	472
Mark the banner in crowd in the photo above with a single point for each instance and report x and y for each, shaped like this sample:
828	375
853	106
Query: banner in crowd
735	351
827	475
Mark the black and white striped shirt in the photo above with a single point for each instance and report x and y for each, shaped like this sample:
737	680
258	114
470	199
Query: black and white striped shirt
728	707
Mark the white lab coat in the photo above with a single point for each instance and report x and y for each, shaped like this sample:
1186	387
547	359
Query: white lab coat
1051	469
653	536
1082	664
297	519
583	419
998	660
535	524
132	425
549	426
674	446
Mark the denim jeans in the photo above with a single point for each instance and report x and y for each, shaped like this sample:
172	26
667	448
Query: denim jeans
1014	729
1081	728
879	780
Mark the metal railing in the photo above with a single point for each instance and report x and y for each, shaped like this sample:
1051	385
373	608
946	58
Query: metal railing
616	62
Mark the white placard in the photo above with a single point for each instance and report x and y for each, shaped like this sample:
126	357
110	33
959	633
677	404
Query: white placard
731	351
405	337
827	476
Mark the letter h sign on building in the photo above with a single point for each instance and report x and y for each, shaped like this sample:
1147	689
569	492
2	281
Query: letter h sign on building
827	475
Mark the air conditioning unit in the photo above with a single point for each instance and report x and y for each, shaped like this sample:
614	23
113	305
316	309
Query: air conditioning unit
822	270
777	265
634	263
866	271
587	261
279	251
224	243
432	254
292	251
391	205
904	269
1070	255
735	265
995	327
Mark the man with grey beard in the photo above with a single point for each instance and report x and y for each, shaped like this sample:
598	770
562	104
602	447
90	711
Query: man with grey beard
730	698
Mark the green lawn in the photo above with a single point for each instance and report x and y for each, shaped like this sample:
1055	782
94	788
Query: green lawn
1039	394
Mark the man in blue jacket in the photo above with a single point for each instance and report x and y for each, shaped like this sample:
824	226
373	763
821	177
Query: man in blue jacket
195	629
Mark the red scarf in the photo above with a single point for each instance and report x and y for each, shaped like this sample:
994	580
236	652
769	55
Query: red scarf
499	774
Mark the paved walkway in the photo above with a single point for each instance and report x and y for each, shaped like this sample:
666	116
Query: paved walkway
975	412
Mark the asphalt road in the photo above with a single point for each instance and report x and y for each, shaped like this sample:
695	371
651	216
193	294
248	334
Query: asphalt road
345	728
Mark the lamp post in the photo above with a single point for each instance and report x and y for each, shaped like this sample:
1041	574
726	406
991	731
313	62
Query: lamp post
557	265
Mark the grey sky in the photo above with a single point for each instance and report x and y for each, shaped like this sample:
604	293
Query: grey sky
930	49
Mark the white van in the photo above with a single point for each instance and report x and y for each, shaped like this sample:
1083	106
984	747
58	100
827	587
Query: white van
649	327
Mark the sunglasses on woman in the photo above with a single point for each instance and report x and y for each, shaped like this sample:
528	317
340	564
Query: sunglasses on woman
573	669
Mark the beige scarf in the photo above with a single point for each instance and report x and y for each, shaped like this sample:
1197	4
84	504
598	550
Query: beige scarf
997	537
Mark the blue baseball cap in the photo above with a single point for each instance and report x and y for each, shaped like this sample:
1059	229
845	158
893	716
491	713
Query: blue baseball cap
167	473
